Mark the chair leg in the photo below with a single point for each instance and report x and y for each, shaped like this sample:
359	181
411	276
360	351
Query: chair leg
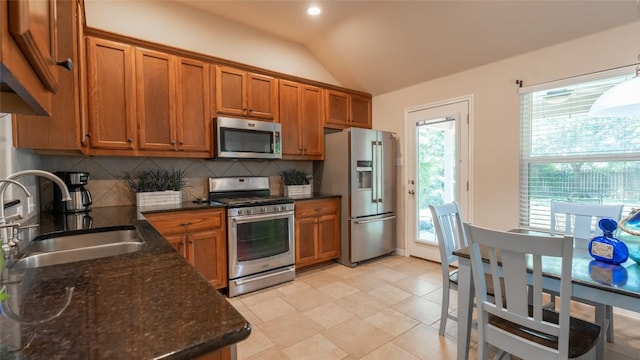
444	312
601	319
609	316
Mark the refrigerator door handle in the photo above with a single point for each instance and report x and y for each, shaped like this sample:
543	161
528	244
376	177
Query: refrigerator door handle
381	170
375	185
376	220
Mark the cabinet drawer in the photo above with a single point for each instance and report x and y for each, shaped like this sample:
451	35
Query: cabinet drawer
307	208
181	221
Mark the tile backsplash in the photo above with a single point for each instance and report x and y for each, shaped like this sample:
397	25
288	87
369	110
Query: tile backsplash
109	189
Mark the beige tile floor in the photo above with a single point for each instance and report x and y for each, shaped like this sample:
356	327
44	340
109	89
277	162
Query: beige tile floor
388	308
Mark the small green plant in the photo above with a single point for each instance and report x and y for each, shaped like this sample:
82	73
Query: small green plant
156	180
295	177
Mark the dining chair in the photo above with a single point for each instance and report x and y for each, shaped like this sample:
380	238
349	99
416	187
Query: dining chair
451	236
516	326
580	220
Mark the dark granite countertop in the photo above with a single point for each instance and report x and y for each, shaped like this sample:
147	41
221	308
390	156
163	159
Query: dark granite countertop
315	196
142	305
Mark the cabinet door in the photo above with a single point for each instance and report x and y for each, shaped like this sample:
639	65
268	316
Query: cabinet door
179	243
193	106
207	253
337	104
290	117
361	111
155	95
312	115
65	129
32	23
262	95
306	239
230	91
328	237
111	94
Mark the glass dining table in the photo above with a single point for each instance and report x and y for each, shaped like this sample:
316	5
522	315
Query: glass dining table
593	281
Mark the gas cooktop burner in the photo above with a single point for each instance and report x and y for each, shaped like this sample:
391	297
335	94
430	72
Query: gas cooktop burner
250	201
243	192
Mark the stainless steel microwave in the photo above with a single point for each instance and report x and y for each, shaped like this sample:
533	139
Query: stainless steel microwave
247	139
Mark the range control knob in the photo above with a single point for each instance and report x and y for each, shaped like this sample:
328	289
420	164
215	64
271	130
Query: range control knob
264	209
248	211
239	212
283	208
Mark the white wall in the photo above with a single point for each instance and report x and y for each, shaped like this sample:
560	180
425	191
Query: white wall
497	112
177	25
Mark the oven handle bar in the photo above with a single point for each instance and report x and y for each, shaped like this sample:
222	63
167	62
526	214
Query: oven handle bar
256	278
251	218
376	220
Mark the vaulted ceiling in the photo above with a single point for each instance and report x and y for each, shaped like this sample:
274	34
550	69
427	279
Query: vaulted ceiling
381	46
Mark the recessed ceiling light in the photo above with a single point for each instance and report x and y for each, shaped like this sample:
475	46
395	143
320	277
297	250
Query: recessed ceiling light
314	10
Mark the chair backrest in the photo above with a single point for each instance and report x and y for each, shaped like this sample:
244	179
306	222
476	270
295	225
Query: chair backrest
581	220
449	231
517	259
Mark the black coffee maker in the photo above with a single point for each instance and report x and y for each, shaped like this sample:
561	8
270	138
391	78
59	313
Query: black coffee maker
80	197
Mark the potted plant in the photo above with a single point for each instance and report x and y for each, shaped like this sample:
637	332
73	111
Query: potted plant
157	187
296	183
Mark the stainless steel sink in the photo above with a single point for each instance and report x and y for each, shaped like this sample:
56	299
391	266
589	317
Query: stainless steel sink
62	248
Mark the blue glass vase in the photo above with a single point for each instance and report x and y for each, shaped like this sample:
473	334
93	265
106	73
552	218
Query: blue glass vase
605	247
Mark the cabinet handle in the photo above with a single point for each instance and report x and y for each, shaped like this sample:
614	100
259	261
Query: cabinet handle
185	224
88	134
67	64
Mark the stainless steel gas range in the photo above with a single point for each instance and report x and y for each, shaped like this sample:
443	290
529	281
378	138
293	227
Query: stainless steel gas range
260	233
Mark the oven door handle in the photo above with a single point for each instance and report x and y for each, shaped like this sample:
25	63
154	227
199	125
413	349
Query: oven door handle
253	218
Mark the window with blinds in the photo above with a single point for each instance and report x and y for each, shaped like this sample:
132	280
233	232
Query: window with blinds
566	155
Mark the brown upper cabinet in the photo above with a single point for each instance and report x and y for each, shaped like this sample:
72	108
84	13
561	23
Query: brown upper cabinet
29	56
173	98
246	94
302	116
66	128
347	109
145	102
111	95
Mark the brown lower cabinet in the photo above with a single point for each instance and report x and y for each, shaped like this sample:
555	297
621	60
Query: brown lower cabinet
222	354
200	237
317	231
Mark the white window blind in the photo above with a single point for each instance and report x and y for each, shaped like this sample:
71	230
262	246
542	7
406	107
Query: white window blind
566	155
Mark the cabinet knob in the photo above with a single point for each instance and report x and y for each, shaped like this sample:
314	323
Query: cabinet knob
67	64
173	142
191	242
88	134
130	140
182	243
181	142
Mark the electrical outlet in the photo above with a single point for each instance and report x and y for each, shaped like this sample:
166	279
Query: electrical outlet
31	206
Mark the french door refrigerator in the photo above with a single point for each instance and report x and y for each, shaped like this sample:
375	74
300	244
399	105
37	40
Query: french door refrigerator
359	165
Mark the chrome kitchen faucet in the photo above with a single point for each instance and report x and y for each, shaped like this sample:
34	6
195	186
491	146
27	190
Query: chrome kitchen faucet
4	183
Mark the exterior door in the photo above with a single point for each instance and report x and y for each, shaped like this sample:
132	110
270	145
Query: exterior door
438	164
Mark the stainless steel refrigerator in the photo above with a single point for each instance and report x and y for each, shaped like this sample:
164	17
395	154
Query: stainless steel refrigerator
359	165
